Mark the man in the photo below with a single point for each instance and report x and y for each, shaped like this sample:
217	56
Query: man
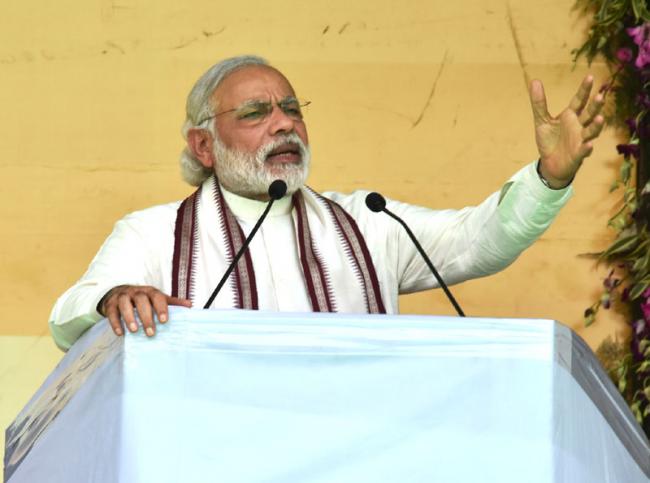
244	129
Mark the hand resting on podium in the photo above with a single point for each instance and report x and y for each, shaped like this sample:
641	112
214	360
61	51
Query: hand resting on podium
119	303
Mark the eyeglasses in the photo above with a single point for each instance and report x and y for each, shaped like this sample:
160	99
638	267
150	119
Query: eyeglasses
255	112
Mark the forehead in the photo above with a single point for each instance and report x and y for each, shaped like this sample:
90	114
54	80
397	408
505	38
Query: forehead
251	82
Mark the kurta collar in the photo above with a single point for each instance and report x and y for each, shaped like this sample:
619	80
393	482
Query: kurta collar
252	209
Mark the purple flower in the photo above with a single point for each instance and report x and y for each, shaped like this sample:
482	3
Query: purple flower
638	326
625	55
631	124
645	308
643	58
610	282
628	150
637	33
643	100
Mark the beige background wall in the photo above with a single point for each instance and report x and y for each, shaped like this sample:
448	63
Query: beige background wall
424	101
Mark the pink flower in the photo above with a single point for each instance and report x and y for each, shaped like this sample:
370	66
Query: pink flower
643	58
638	326
639	36
645	308
637	33
625	55
645	305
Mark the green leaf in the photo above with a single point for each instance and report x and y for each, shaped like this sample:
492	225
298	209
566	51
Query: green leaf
626	168
646	189
622	385
636	290
646	391
590	318
621	245
640	10
637	412
605	298
646	411
639	263
642	248
643	345
645	365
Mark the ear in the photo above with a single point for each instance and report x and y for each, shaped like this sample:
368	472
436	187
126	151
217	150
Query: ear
200	143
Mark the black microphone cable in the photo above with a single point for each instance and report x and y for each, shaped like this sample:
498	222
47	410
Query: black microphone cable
277	190
376	202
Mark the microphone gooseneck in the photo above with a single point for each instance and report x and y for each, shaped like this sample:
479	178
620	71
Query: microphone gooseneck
377	203
277	189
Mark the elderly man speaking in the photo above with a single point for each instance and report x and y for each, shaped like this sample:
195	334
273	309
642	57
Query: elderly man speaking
315	252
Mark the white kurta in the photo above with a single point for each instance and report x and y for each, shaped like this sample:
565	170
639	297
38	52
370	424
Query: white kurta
462	244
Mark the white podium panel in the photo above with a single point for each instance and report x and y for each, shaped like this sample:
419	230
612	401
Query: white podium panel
239	396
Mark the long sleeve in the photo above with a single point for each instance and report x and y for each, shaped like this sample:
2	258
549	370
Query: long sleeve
463	244
131	255
476	242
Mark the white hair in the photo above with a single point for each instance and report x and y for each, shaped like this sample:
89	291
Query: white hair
199	108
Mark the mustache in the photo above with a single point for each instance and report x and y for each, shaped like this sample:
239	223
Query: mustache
291	138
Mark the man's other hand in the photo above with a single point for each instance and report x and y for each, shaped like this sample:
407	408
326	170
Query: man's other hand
120	302
566	140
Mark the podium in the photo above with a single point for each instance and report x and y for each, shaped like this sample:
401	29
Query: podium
239	396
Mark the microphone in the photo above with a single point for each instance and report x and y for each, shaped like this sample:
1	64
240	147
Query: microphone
377	203
277	189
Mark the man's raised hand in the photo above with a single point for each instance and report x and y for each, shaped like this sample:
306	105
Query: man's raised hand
120	302
566	140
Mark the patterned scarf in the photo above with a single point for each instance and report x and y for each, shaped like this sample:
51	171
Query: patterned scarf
306	205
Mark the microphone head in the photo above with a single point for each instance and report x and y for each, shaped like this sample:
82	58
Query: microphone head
375	202
277	189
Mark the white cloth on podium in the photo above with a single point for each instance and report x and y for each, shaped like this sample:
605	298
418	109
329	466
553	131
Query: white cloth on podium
243	396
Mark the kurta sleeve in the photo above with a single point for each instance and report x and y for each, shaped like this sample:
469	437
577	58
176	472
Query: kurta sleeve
133	254
477	241
463	244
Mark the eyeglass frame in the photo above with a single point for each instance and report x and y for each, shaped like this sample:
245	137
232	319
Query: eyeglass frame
301	104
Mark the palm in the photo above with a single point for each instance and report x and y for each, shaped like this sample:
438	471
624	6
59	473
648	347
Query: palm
564	141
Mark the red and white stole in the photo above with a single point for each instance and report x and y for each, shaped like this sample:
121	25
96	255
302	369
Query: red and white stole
207	236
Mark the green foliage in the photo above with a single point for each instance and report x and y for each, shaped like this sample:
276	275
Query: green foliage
627	54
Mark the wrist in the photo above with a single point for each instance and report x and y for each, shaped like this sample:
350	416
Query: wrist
549	181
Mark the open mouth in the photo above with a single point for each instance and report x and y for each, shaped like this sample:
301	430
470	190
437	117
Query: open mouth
285	153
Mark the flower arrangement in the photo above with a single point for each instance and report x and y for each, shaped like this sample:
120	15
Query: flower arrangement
620	34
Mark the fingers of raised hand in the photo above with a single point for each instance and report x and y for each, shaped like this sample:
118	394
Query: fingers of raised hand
593	109
592	130
538	102
580	99
585	150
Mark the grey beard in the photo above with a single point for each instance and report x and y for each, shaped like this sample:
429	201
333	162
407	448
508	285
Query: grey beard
248	174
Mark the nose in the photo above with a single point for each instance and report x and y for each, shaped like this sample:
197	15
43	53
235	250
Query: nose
280	122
